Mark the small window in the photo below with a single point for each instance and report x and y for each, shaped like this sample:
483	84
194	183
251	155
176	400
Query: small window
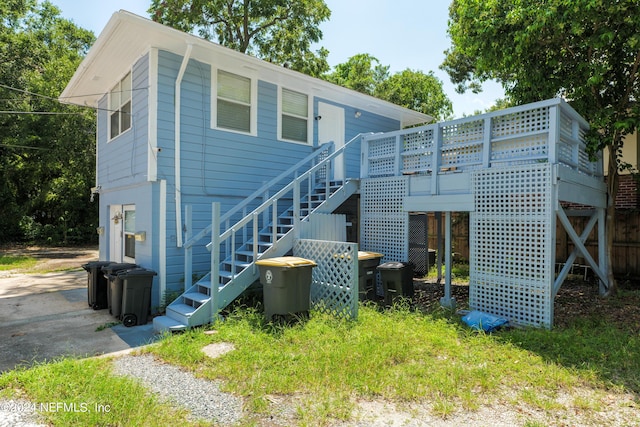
233	102
130	232
295	115
120	107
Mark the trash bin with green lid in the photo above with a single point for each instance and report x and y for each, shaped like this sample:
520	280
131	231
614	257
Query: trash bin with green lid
286	285
397	280
136	295
114	285
96	284
367	263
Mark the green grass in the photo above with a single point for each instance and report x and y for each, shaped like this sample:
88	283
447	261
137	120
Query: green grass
406	356
325	365
92	395
459	272
10	262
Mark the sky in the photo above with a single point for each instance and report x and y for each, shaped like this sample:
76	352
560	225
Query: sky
399	33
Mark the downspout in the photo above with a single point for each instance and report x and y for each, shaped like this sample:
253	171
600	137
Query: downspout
178	128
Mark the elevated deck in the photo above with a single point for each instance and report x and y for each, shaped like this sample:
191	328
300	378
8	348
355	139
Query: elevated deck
513	170
439	159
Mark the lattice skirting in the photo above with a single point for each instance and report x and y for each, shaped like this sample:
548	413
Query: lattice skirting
334	287
511	244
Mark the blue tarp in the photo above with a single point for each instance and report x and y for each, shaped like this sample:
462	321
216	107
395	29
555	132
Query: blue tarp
485	321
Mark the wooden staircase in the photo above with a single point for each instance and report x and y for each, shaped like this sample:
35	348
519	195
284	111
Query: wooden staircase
238	271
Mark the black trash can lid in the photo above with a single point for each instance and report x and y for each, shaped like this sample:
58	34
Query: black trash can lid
138	271
95	264
393	265
115	266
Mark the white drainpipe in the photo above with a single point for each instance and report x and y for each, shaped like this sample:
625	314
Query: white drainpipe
178	128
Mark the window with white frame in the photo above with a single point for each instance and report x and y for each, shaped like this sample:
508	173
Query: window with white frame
129	232
120	107
234	98
295	116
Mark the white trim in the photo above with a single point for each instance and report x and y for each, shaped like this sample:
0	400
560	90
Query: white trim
309	116
126	208
177	129
162	241
253	118
110	111
152	117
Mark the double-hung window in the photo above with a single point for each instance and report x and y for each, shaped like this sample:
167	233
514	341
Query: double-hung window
295	116
120	107
233	103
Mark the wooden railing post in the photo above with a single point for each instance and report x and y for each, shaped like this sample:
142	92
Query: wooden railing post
215	260
188	249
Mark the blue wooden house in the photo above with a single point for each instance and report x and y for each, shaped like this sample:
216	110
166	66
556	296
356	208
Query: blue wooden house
185	125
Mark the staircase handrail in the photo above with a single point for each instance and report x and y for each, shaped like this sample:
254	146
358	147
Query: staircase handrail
267	203
259	192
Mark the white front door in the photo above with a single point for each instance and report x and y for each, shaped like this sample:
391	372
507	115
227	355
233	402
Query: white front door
331	128
115	233
122	245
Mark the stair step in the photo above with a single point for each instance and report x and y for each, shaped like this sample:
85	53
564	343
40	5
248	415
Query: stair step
167	324
181	309
196	297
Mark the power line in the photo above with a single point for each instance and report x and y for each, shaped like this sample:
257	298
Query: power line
49	113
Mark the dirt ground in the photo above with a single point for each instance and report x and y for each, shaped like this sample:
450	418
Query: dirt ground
576	298
50	259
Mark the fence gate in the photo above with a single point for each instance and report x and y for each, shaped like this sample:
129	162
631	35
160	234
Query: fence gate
334	287
418	243
512	245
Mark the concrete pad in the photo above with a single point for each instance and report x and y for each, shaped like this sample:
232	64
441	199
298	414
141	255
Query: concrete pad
46	316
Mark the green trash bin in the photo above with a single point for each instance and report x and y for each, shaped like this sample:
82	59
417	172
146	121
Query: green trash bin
136	295
367	263
397	280
97	291
114	285
286	283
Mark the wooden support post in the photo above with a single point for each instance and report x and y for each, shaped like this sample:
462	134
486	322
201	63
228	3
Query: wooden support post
447	301
440	248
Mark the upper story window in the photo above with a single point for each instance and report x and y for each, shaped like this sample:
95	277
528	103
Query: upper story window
295	116
234	102
120	107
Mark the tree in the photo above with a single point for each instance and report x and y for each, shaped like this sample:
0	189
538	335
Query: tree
587	51
47	150
417	91
361	72
278	31
410	89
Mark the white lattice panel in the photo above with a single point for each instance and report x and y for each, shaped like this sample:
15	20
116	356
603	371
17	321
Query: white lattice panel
334	287
381	156
462	144
512	250
527	121
526	149
384	226
417	152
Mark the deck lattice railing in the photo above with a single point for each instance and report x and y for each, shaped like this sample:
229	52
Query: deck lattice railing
547	131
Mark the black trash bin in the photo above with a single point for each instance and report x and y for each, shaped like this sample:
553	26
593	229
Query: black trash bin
136	295
367	263
286	285
96	284
114	285
397	280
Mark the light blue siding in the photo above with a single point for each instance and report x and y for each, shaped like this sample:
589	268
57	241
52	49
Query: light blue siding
216	165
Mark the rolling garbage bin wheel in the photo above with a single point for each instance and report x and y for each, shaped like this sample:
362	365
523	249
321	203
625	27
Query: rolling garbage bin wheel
129	320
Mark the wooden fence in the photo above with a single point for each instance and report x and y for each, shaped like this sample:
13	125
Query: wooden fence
626	246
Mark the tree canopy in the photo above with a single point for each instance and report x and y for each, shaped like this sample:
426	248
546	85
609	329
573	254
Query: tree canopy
278	31
586	51
410	89
47	150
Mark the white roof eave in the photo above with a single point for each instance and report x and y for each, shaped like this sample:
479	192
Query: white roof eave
127	37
